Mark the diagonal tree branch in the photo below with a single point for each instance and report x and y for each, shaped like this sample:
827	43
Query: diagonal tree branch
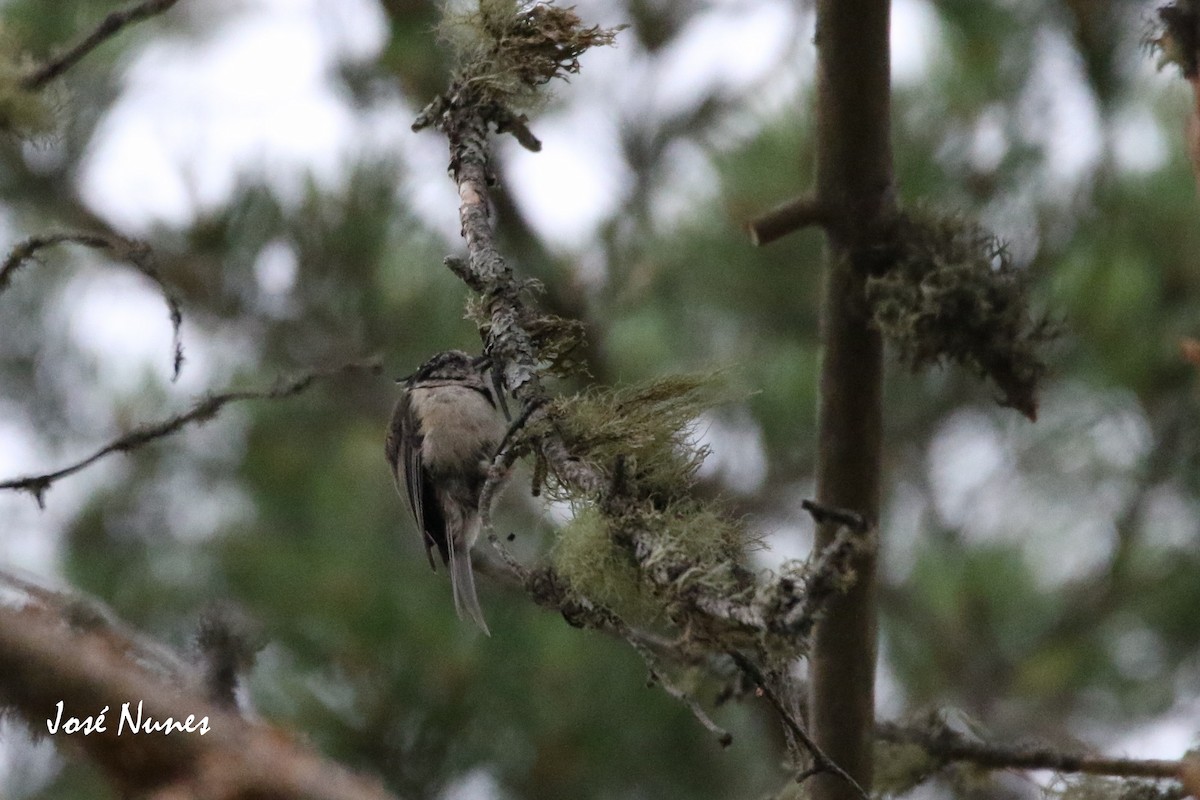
133	252
50	656
203	411
821	763
109	27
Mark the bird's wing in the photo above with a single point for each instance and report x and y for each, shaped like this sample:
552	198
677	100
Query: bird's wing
404	442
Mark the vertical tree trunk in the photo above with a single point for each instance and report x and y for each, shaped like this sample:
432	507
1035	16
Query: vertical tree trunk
854	182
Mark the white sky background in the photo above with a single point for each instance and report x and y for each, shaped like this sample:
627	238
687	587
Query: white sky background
255	96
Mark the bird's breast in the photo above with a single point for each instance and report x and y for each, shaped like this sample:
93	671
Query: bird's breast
457	423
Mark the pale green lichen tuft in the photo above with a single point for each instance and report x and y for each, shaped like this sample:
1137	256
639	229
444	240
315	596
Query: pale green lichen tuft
702	549
643	438
588	557
647	431
701	534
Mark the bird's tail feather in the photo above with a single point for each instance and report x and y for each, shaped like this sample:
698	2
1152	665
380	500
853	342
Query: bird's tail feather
462	581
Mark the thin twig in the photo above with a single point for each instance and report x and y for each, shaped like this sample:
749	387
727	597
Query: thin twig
520	423
501	468
203	411
821	762
518	125
592	615
515	567
109	27
131	251
502	465
793	215
944	743
724	738
831	574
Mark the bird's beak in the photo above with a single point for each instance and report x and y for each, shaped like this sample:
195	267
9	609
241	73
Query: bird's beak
482	363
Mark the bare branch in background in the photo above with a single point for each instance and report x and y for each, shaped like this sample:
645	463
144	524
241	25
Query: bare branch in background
87	613
109	27
947	745
131	251
49	656
203	411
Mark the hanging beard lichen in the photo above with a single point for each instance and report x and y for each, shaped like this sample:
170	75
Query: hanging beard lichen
951	293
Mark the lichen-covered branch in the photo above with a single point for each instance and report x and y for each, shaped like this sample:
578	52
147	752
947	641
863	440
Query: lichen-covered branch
109	27
507	50
624	458
51	655
203	411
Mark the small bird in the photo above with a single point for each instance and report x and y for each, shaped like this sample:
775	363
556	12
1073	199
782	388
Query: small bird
444	432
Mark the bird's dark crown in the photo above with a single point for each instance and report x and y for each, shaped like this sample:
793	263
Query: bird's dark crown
447	364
